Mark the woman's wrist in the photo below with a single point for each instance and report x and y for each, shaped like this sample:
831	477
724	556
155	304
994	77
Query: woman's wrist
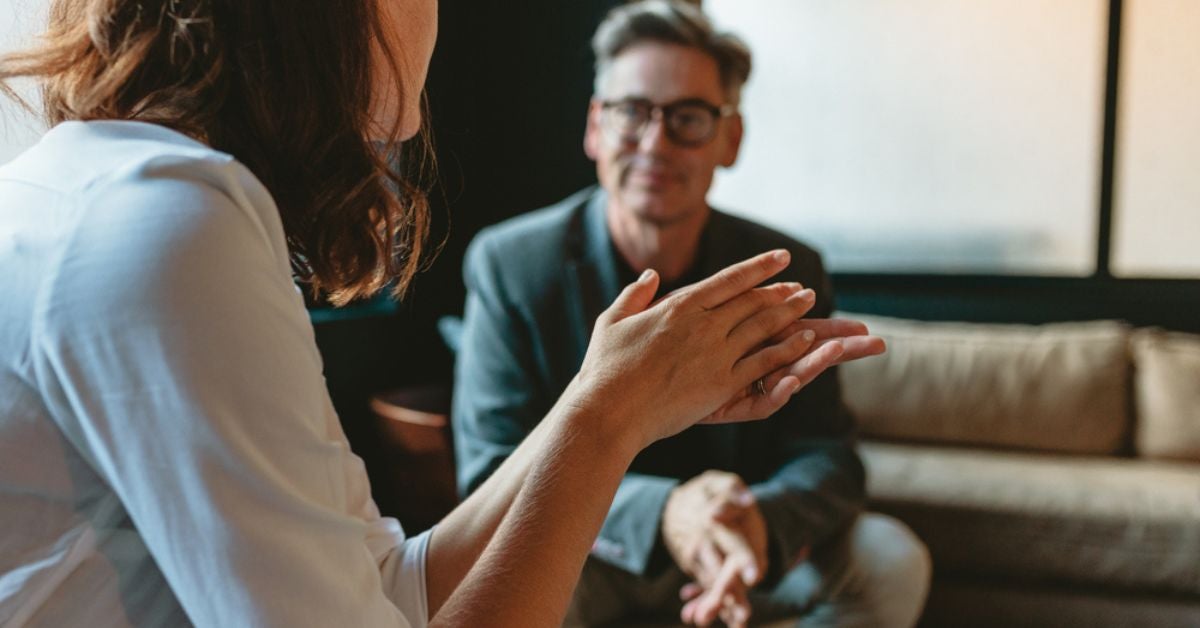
605	417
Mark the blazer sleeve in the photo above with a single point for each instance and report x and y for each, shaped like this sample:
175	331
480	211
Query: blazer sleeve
817	484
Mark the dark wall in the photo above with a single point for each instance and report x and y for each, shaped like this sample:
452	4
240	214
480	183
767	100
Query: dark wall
508	92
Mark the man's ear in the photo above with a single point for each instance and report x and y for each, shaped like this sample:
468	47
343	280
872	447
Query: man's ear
591	135
734	130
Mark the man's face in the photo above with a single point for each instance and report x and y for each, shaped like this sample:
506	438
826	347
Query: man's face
654	177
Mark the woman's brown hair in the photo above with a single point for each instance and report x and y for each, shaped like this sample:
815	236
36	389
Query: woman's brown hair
285	86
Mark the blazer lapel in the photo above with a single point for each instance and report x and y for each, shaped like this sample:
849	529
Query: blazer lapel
590	270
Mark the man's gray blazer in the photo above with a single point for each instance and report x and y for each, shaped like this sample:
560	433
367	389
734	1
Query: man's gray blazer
536	284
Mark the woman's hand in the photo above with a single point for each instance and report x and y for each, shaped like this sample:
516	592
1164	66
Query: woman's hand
835	340
660	368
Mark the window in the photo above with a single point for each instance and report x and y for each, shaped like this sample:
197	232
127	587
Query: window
1156	206
19	20
924	135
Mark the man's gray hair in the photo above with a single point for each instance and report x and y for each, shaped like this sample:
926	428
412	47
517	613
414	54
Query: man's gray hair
671	22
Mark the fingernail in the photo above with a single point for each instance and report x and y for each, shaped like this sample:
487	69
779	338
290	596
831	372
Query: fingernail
808	335
805	297
781	256
646	275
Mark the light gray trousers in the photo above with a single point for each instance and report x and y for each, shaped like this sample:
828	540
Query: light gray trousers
875	574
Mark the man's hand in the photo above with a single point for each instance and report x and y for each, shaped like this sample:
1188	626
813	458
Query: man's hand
716	533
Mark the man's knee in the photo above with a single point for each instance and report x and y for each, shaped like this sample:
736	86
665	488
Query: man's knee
894	565
890	549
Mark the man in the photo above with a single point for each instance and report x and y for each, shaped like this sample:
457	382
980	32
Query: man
718	521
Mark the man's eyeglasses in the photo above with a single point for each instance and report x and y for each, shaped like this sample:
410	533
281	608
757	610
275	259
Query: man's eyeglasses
691	122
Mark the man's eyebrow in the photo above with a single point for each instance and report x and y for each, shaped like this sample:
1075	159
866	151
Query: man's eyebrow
691	100
686	100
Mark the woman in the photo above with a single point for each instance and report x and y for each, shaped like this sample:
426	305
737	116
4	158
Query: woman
168	453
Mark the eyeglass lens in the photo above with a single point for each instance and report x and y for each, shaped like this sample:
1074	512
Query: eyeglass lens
687	122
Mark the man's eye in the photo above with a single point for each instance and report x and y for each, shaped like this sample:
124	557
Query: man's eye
689	118
629	110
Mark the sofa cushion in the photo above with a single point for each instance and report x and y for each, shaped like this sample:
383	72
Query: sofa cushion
1167	394
1005	605
1057	387
1113	522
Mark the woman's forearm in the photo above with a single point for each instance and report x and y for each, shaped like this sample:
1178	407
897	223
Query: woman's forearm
459	541
528	569
460	537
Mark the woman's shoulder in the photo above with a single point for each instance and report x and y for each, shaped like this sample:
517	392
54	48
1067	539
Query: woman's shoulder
144	181
81	160
73	155
142	212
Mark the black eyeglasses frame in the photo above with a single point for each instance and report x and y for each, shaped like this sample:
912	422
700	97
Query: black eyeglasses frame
664	111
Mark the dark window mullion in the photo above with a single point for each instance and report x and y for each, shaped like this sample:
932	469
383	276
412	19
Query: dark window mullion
1108	154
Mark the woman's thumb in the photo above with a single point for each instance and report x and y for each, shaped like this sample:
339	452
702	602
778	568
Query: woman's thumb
635	298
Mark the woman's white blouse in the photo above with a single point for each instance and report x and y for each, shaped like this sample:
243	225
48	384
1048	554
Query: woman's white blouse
168	450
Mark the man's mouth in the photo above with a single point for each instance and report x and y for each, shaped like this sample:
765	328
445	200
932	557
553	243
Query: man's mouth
655	177
651	176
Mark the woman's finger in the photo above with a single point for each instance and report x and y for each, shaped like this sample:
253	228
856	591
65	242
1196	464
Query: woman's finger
857	347
763	362
635	298
734	280
748	407
816	361
824	328
750	302
853	348
786	381
762	325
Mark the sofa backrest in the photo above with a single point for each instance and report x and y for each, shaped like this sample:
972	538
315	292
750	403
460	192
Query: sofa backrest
1167	385
1062	387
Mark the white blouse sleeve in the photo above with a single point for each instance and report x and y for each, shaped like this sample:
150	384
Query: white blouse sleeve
177	357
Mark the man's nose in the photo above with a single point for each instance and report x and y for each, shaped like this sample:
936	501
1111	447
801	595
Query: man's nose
654	136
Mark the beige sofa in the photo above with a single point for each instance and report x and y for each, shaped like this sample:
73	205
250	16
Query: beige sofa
1053	471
